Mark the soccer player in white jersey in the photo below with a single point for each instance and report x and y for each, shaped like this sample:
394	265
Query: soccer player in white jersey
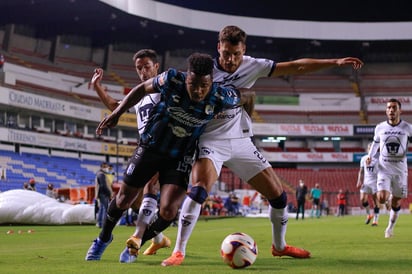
227	141
391	138
366	183
147	66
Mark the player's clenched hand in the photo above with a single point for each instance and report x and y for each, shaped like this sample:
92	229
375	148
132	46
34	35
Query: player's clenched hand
108	122
355	62
97	77
368	161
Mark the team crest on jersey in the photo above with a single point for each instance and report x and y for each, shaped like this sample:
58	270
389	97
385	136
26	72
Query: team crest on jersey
180	132
209	110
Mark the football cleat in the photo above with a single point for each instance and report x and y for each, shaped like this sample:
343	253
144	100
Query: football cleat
96	250
175	259
151	250
125	256
388	233
368	219
291	251
133	244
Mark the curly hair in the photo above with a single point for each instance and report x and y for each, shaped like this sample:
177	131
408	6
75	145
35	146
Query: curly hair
200	64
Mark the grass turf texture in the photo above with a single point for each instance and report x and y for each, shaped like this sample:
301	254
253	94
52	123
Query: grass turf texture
338	245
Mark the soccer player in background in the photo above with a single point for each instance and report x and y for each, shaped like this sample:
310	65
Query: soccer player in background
391	138
367	178
147	66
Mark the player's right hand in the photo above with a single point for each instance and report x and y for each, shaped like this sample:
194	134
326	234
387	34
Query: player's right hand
97	77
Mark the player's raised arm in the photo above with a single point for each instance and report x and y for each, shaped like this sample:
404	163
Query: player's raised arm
106	99
131	99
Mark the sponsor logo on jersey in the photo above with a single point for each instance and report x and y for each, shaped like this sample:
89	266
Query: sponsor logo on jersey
179	131
130	169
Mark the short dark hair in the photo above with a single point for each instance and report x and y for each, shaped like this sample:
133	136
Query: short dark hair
143	53
200	63
393	100
232	34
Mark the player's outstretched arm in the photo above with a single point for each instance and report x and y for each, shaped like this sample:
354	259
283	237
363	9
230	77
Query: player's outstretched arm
106	99
131	99
308	65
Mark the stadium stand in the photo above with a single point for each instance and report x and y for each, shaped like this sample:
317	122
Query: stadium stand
63	172
66	77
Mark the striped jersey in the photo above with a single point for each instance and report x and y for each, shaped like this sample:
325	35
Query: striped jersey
236	123
176	122
392	142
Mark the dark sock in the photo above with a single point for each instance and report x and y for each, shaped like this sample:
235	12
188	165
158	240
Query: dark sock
155	228
112	217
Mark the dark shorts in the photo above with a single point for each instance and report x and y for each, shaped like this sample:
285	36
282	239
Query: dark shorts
144	163
316	201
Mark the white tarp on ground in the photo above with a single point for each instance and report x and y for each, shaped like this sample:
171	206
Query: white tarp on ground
30	207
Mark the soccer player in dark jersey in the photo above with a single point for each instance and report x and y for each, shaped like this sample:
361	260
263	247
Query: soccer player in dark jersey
188	102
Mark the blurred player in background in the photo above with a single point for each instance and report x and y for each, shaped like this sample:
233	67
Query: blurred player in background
367	178
315	194
391	139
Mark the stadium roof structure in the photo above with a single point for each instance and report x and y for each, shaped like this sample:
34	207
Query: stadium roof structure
105	24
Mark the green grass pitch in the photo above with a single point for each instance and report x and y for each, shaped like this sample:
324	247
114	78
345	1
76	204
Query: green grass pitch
338	245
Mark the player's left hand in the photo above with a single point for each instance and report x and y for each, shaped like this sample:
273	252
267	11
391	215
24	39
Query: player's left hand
109	121
355	62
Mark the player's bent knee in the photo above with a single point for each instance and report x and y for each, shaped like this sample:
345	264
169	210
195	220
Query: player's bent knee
168	214
198	194
279	202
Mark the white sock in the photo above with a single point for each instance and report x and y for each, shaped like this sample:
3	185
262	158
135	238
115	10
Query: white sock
187	220
279	220
393	217
147	212
158	238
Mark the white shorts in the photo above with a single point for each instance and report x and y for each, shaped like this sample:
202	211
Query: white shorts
369	187
240	155
395	184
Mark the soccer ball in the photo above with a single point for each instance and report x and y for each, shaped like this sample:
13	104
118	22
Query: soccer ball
239	250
